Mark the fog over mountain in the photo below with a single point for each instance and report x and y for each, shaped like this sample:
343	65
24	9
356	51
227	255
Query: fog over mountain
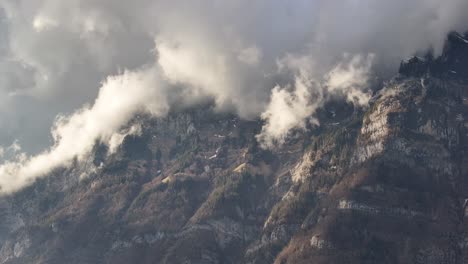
73	73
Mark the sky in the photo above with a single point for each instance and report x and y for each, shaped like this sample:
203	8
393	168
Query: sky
75	72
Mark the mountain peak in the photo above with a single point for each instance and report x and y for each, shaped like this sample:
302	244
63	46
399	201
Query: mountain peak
452	63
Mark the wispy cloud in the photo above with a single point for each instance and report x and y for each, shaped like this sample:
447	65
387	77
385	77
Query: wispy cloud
291	107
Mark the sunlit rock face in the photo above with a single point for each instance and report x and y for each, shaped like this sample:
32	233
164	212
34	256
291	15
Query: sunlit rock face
382	184
401	198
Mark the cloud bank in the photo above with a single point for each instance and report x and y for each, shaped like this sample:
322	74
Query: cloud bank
273	59
120	97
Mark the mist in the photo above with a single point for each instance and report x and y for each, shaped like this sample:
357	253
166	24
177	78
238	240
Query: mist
75	72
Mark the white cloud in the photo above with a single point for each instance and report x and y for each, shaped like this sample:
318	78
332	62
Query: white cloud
119	99
41	23
351	78
211	71
205	71
250	55
290	108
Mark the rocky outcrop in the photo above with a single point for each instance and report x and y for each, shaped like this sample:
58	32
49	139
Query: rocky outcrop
449	65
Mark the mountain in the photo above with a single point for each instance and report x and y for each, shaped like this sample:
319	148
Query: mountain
385	184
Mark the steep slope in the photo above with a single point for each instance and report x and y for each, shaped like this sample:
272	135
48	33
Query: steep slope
398	196
387	184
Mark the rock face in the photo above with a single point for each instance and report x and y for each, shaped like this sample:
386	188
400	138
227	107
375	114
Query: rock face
388	184
449	65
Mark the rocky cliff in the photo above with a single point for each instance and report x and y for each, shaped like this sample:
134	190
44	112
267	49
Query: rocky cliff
385	184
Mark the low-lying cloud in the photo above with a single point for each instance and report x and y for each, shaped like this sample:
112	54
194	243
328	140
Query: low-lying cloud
291	107
270	59
119	99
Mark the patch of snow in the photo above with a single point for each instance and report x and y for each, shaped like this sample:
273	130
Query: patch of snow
372	188
20	247
461	38
422	83
216	154
54	227
464	243
317	242
153	238
120	245
137	240
352	205
191	129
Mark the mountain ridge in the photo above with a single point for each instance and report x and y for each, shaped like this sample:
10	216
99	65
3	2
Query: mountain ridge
385	184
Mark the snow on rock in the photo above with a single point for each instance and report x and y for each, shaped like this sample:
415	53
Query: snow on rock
14	249
462	39
356	206
21	246
148	239
319	243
